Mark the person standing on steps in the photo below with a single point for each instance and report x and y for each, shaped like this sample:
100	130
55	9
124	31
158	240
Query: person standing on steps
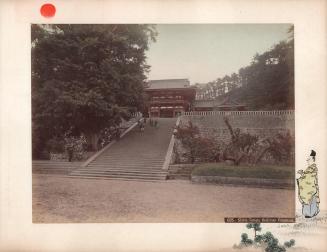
117	134
70	151
141	126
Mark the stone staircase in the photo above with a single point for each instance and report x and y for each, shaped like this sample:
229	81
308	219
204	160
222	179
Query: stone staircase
136	156
54	167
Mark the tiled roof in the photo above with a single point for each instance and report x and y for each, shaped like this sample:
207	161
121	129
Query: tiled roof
168	83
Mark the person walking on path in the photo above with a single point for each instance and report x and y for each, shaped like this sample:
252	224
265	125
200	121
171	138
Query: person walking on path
156	124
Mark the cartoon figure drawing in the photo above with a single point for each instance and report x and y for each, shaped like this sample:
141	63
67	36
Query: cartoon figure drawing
308	188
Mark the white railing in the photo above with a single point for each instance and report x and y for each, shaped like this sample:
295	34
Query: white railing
136	114
227	113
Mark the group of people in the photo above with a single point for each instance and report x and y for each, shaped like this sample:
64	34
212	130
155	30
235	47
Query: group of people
142	123
154	123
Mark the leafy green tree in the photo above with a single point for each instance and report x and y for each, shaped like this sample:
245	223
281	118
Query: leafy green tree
86	77
240	146
289	243
245	241
251	149
267	83
267	240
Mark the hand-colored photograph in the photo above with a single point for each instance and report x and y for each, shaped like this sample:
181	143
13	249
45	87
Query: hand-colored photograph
165	123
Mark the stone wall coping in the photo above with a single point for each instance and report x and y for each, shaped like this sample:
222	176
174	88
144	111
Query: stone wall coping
170	149
183	165
248	112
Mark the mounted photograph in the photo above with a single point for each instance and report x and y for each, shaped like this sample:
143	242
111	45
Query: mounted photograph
162	123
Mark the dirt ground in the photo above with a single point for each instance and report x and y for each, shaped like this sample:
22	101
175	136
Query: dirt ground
62	199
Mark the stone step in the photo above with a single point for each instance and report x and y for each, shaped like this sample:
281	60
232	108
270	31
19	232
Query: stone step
128	176
51	172
121	170
130	156
55	168
40	161
139	161
137	156
125	165
179	176
55	164
116	178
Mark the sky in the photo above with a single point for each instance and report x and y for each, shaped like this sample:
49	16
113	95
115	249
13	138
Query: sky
204	52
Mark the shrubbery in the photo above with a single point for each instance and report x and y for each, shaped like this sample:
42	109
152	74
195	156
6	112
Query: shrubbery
197	146
58	147
243	148
78	145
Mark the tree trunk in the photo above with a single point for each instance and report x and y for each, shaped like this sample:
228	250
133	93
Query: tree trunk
261	155
92	140
238	160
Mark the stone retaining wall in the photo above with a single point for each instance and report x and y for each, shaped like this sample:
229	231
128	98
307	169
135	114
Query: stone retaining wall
261	123
180	171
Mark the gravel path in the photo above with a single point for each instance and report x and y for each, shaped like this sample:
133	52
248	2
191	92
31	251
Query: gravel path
59	199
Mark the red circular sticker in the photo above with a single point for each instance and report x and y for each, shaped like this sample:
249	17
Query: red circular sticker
48	10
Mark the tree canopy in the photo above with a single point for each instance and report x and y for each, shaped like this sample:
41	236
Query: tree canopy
86	77
266	84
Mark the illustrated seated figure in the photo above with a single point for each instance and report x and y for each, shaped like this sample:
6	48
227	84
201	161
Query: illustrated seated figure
308	188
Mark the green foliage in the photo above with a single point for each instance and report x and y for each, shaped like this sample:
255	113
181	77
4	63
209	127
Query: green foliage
245	240
56	145
267	240
254	226
197	146
86	77
262	171
289	243
251	149
266	84
241	146
78	145
281	148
